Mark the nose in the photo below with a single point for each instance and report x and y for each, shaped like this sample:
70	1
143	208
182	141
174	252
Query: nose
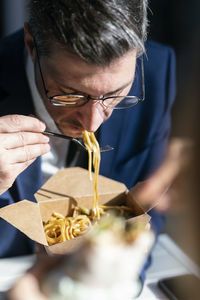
92	115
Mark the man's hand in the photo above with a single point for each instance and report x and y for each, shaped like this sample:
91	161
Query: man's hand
21	142
158	189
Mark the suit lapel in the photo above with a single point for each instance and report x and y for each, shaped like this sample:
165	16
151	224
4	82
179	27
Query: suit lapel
112	131
15	98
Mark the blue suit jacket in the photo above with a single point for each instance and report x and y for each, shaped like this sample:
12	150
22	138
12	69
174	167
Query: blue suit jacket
139	135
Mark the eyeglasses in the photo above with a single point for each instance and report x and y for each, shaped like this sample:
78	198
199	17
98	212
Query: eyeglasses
76	100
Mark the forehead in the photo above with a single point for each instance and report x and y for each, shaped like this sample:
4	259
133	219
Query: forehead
68	69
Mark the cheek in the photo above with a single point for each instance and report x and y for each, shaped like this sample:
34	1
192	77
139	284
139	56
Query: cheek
59	113
107	113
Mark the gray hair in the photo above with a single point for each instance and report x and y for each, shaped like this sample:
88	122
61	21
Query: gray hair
98	31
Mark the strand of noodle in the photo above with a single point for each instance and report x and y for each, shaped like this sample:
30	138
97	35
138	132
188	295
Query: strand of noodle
53	234
67	229
86	140
93	146
71	228
96	163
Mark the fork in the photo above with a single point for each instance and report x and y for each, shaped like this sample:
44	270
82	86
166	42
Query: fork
77	141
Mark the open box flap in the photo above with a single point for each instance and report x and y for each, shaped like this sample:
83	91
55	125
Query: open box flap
66	189
131	202
144	219
25	216
74	183
65	247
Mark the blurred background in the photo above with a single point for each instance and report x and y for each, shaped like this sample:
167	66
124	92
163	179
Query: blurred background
176	23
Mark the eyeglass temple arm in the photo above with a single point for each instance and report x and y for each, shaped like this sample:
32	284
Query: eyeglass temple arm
143	83
40	69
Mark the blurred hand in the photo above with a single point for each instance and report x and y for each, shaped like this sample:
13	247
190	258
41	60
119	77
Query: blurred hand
29	285
21	142
156	191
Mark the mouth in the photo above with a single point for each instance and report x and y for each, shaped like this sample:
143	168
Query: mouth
75	131
71	130
69	124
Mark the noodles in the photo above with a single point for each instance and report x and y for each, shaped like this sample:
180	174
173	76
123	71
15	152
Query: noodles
59	228
93	148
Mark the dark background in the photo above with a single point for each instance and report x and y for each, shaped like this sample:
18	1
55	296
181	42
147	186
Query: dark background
172	22
177	23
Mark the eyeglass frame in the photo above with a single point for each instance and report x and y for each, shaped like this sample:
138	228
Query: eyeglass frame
88	98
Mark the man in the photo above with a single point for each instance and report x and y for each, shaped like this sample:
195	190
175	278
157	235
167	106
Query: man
79	64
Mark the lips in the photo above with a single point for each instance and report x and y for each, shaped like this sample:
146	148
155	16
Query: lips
75	130
70	129
68	124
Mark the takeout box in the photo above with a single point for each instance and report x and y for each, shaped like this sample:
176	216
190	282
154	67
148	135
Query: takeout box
68	188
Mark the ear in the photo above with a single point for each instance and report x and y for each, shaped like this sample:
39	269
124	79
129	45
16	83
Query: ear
29	41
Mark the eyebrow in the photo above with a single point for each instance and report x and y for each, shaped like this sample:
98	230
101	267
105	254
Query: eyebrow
107	94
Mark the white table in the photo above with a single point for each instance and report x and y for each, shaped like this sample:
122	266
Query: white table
13	268
168	260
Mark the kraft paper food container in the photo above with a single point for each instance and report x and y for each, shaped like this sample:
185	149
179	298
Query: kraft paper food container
61	193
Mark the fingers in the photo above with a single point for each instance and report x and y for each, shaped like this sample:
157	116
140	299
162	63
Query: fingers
20	167
26	153
15	123
163	203
21	142
20	139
